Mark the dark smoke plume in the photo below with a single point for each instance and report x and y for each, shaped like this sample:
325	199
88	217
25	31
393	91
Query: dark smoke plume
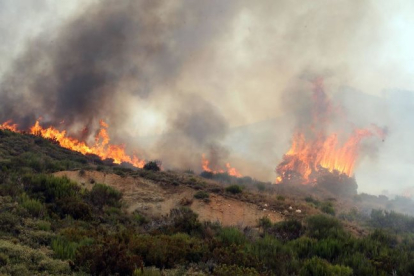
110	52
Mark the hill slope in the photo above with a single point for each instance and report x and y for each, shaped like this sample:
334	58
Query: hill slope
62	213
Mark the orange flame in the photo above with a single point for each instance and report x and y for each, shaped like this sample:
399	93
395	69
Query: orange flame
310	155
101	148
8	125
205	164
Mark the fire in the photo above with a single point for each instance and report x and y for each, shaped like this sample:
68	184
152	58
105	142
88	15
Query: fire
101	147
8	125
205	163
318	151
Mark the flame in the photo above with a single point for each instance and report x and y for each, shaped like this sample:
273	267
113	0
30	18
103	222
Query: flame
101	148
319	151
8	125
205	164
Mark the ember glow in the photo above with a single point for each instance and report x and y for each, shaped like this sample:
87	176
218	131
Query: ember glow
101	147
320	151
205	163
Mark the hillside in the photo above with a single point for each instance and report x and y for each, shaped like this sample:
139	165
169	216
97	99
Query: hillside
63	213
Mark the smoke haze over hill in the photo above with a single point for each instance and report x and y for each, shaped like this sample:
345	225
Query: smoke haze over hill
175	79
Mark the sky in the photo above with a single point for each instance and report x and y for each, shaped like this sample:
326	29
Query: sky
197	72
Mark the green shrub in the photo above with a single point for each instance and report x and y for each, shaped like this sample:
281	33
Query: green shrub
287	230
265	223
49	188
102	195
231	235
234	189
4	259
322	226
280	198
140	219
234	270
43	225
201	195
33	206
320	267
328	208
9	222
63	248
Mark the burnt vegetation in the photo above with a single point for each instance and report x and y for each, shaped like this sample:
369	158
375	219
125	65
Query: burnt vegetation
50	225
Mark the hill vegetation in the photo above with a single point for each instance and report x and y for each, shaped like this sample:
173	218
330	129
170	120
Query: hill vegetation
52	226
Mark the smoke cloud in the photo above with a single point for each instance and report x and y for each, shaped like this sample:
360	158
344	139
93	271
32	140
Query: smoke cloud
175	79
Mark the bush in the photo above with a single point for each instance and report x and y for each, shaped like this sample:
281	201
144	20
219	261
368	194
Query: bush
9	222
63	248
208	175
201	195
234	189
265	223
152	166
231	235
328	208
320	267
49	188
33	206
103	195
287	230
110	258
234	270
322	226
280	198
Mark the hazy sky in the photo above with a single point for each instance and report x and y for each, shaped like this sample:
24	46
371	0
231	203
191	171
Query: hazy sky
237	58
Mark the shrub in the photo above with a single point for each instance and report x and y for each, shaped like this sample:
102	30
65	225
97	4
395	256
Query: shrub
201	195
49	188
280	198
328	208
9	222
33	206
231	235
102	195
110	258
265	223
73	207
152	166
320	267
322	226
287	230
234	189
208	175
140	219
234	270
63	248
185	220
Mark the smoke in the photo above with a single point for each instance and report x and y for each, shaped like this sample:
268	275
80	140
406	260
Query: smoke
175	79
106	55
